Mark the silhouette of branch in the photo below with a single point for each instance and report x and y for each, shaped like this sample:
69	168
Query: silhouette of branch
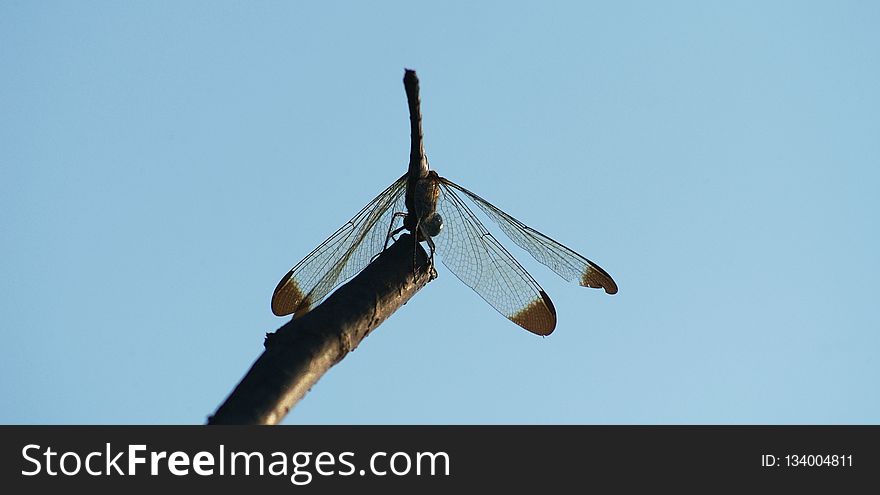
302	350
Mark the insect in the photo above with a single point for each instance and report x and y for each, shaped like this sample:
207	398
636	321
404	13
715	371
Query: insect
433	209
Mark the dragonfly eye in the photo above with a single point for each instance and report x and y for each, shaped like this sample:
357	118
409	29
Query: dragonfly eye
432	225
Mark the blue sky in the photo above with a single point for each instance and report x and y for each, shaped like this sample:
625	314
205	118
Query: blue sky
163	164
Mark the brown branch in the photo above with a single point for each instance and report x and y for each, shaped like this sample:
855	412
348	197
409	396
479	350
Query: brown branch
302	350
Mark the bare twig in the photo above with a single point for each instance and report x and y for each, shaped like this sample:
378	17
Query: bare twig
301	351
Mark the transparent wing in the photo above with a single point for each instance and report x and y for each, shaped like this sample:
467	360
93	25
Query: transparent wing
344	254
566	263
482	263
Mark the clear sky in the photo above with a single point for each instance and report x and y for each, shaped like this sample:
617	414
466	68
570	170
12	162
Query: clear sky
163	164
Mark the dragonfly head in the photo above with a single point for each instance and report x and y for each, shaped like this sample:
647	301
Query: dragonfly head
432	224
429	226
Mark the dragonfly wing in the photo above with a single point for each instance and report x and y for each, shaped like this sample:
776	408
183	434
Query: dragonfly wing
482	263
566	263
345	253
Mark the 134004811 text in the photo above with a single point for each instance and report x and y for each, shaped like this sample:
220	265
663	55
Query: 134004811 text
807	460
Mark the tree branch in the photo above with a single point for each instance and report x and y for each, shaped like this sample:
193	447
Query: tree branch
302	350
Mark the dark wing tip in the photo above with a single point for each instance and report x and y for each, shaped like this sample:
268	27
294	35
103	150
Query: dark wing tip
538	317
594	276
287	298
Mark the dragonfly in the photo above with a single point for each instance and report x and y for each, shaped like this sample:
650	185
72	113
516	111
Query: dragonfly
433	209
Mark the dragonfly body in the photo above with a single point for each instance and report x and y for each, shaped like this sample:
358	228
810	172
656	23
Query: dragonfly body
422	218
434	211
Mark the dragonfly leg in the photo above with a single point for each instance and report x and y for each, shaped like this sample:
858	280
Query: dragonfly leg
390	235
432	248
